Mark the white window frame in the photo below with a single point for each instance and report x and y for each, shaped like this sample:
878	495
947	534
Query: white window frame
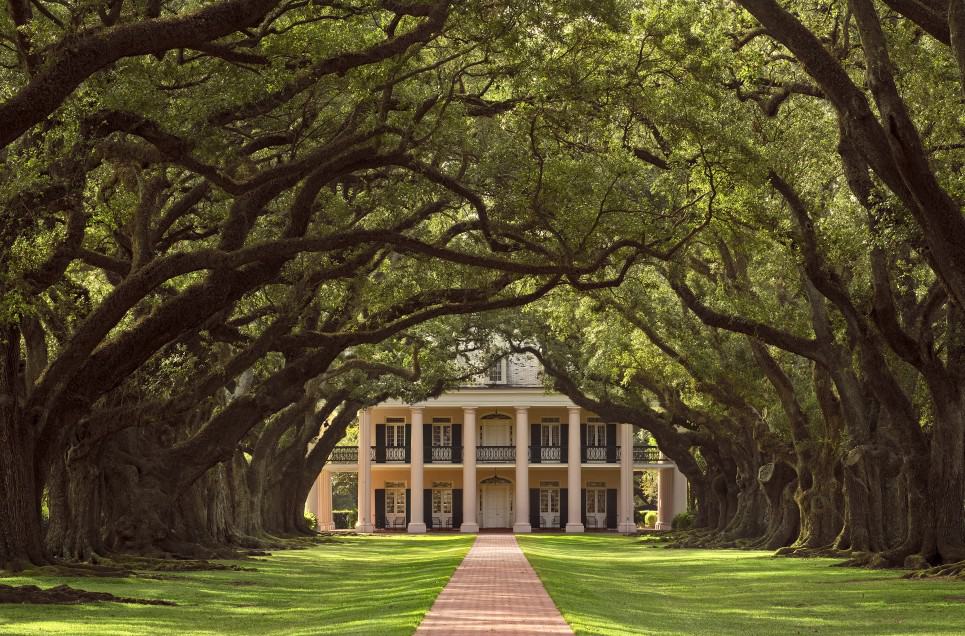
497	372
395	432
549	497
596	502
550	432
441	431
595	433
394	498
441	501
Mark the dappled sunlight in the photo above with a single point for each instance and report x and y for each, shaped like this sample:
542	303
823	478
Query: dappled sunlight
612	585
359	585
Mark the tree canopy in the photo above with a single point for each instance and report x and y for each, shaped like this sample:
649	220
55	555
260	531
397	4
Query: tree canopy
227	226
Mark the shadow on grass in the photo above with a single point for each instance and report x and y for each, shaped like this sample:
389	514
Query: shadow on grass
615	585
355	585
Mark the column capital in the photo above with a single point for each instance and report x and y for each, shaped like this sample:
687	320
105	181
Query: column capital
574	408
417	408
469	409
521	409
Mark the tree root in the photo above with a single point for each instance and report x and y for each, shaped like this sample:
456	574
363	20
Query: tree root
177	565
827	552
949	570
81	570
65	595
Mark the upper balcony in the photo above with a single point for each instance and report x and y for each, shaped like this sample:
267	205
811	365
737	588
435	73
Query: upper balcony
642	455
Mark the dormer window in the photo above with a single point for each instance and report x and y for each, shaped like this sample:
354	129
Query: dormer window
497	372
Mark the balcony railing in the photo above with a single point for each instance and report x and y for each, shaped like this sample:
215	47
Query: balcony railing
501	454
595	453
647	455
344	455
446	454
495	454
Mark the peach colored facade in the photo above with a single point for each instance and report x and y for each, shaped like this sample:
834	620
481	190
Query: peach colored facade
496	457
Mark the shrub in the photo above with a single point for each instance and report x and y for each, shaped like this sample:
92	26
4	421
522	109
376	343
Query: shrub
344	519
683	521
650	518
311	520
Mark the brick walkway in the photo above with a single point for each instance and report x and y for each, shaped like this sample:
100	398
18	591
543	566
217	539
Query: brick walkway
494	591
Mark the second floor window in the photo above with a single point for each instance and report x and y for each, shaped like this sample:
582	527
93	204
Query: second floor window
596	434
442	434
395	435
550	435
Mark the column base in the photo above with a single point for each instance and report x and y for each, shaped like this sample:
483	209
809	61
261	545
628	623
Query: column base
364	528
575	527
662	525
627	528
326	527
469	527
417	528
522	527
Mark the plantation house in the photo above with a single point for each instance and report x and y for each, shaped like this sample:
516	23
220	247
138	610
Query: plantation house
500	452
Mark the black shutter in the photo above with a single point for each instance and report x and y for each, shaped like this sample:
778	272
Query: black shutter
565	443
611	508
583	446
379	444
380	508
408	447
456	507
427	507
583	506
564	506
427	443
456	444
611	443
408	506
534	443
534	507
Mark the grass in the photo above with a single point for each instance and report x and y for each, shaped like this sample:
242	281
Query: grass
623	585
351	585
604	584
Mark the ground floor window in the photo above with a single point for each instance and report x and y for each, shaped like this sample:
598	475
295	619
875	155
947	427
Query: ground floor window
596	504
441	498
395	503
549	504
549	496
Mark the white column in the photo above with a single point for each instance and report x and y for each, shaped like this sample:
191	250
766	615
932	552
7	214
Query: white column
665	510
679	491
312	502
522	470
574	472
417	521
324	486
364	523
469	483
625	522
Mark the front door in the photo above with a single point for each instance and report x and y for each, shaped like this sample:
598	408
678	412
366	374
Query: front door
596	506
496	506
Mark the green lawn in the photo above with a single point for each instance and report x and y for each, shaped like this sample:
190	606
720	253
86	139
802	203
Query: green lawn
353	585
620	585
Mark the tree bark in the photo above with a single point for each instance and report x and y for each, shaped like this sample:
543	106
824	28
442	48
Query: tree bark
21	530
